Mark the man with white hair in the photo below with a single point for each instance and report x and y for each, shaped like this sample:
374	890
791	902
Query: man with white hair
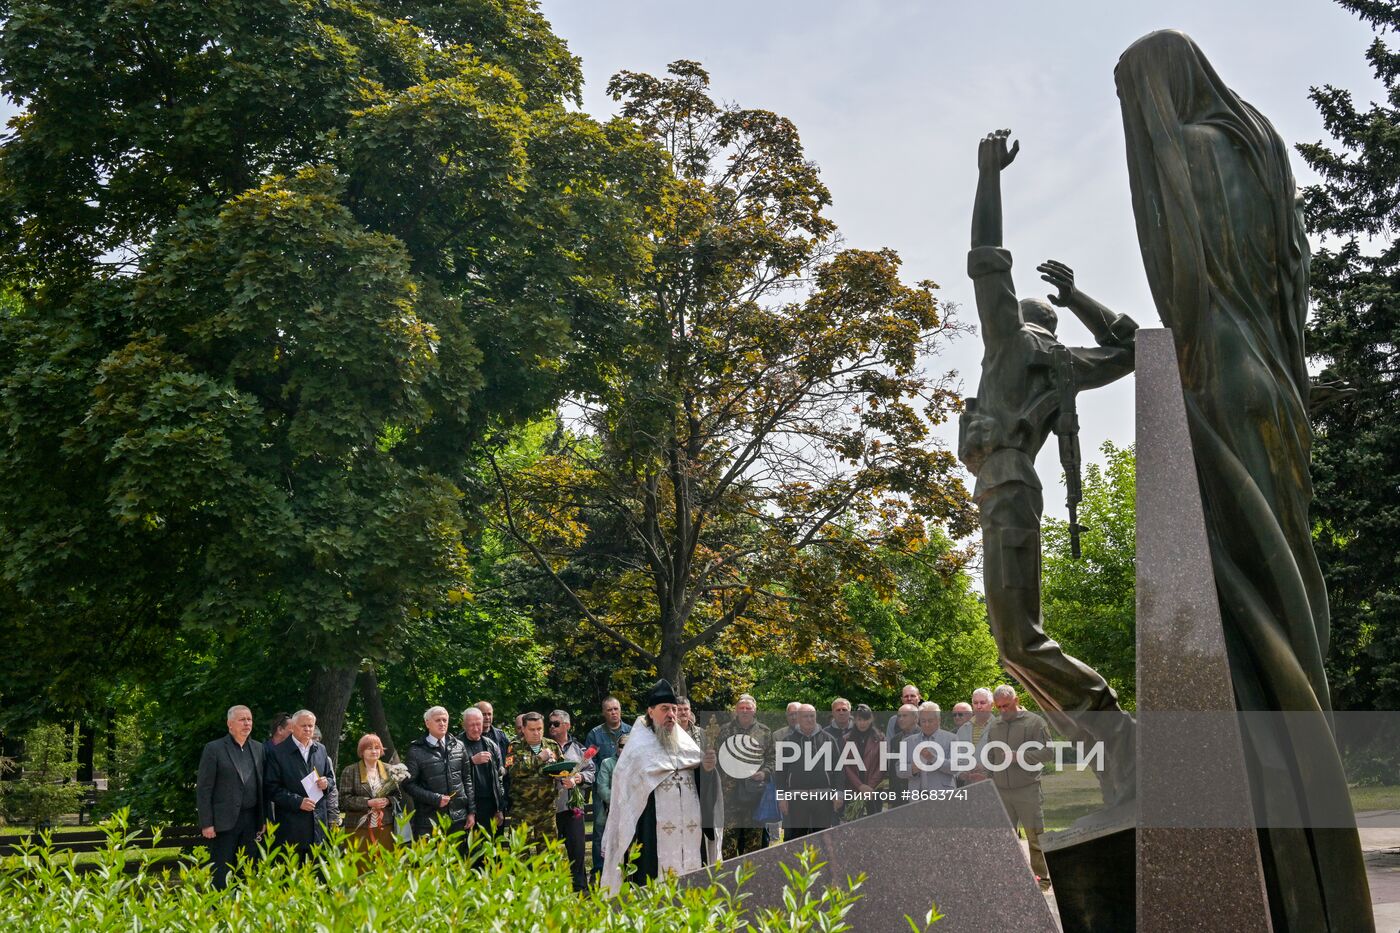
303	806
664	793
440	779
229	794
745	735
926	762
972	729
487	764
793	709
1018	739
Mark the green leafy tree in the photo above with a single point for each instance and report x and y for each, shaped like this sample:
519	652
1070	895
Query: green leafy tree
1354	333
1090	604
279	268
760	440
930	630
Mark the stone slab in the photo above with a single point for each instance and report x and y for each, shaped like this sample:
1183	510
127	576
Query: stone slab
1206	875
962	856
1092	865
1094	885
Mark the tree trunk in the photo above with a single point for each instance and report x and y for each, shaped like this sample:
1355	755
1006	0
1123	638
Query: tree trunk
328	697
374	711
87	746
110	717
671	666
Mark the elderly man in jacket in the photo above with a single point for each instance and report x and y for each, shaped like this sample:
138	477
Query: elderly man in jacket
926	761
807	778
488	768
742	794
229	794
440	779
1016	747
299	780
567	818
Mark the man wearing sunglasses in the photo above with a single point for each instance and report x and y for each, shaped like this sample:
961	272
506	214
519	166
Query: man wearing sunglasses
569	822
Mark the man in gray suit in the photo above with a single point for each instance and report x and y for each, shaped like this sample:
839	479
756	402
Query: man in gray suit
229	794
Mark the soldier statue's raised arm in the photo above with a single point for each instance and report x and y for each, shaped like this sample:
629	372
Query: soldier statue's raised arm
1021	398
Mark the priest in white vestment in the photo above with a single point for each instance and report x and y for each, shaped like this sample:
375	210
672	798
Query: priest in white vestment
665	797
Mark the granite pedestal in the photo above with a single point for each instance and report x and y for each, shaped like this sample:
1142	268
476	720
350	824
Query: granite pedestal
1092	865
1198	862
962	856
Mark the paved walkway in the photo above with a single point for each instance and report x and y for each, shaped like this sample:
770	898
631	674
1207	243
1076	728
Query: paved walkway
1380	841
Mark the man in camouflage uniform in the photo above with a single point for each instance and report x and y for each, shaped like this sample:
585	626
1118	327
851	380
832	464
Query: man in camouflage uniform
741	795
532	793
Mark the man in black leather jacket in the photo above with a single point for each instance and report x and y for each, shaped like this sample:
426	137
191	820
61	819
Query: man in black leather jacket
440	779
487	762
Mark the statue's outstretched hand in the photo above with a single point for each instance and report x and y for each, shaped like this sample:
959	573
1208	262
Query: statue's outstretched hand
1059	275
993	154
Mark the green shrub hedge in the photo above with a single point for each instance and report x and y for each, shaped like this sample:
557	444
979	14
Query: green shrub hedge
427	886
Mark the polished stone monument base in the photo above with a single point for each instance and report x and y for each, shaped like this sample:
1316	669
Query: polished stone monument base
960	855
1092	865
1198	861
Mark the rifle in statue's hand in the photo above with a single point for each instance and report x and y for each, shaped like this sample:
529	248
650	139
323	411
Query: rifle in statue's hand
1067	431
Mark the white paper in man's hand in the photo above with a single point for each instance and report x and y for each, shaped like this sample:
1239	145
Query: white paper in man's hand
308	784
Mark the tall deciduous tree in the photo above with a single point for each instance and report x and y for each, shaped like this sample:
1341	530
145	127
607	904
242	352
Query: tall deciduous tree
1090	603
930	630
1355	333
281	266
759	440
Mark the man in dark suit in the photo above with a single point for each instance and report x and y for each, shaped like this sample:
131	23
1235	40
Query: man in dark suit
303	822
229	794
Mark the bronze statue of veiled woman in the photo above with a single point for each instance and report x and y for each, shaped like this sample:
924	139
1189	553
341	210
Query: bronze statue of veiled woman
1227	261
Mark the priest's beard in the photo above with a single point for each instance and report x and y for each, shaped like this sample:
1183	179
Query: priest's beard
668	740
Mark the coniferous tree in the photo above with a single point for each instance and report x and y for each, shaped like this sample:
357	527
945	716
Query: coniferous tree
1354	334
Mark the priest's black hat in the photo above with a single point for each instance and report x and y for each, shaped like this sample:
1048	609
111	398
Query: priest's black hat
660	693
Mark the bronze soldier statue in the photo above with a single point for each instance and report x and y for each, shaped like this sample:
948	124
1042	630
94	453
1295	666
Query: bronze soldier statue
1022	396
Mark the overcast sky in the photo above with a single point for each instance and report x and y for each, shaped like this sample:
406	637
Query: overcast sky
891	96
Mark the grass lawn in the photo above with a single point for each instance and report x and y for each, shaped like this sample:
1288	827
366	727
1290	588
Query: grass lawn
1069	795
1375	797
1072	794
57	830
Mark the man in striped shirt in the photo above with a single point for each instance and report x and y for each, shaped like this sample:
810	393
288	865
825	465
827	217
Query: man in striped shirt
972	730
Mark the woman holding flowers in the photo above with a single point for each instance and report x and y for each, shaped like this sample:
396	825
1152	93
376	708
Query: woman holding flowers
369	794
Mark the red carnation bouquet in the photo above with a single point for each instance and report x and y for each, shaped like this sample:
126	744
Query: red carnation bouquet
576	792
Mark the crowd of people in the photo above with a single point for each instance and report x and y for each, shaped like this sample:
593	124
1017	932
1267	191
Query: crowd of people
660	801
